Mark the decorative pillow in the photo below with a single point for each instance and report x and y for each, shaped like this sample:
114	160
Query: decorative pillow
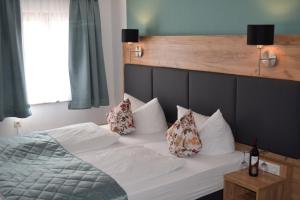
135	103
216	136
199	118
183	138
150	118
120	119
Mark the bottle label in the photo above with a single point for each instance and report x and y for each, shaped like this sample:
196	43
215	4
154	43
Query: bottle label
254	160
253	170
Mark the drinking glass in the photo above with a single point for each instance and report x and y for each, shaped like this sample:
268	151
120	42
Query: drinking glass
244	163
263	165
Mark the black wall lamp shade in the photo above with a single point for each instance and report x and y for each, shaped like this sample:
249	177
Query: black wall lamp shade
130	35
260	34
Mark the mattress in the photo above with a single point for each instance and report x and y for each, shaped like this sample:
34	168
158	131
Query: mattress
200	175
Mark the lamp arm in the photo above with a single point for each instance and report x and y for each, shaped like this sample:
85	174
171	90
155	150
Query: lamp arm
134	50
267	58
130	55
138	52
259	60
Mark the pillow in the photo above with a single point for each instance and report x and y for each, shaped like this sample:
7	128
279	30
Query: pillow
183	138
120	118
216	136
150	118
135	103
215	133
83	137
199	119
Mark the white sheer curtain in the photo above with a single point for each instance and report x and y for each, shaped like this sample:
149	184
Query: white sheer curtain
45	26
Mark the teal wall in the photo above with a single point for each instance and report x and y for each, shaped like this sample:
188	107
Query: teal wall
188	17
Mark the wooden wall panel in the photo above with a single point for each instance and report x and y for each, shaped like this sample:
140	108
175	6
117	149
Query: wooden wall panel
224	54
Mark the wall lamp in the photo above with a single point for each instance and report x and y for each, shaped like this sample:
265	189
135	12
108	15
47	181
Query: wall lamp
132	36
262	35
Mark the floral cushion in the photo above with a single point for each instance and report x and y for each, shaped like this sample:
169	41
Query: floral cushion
120	118
183	138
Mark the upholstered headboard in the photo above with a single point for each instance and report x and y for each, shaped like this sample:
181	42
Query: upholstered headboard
254	107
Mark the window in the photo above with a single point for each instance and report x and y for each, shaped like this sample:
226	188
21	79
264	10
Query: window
45	47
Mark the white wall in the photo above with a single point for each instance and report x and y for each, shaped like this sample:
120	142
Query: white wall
46	116
119	21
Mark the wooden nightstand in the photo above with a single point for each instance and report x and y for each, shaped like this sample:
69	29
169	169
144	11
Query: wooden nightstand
240	186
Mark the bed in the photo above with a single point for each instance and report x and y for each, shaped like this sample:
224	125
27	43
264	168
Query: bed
199	177
137	165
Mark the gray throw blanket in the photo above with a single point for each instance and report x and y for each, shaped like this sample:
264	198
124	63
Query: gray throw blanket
37	167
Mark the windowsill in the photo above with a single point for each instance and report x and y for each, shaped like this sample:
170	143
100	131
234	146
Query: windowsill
50	103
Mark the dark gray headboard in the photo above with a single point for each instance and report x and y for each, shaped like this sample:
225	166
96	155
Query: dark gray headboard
254	107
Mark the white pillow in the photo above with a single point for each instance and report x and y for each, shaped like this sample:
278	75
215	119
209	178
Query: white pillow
199	119
83	137
150	118
216	136
135	103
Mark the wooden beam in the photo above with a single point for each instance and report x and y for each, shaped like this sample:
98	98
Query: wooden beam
227	54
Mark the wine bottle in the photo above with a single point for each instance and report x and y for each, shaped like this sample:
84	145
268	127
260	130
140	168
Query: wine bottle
254	160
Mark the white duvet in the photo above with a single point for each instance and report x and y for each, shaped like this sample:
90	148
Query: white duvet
127	164
135	163
142	164
79	138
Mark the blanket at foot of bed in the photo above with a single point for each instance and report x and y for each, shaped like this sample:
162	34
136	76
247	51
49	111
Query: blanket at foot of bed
38	167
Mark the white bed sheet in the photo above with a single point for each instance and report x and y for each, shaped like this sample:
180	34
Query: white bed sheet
132	165
200	175
137	139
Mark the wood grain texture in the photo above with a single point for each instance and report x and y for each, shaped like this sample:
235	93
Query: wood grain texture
290	169
239	185
232	192
223	53
254	184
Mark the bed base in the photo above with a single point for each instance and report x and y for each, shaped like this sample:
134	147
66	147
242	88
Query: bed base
218	195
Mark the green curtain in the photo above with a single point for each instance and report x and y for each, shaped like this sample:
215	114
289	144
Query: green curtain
86	62
13	101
